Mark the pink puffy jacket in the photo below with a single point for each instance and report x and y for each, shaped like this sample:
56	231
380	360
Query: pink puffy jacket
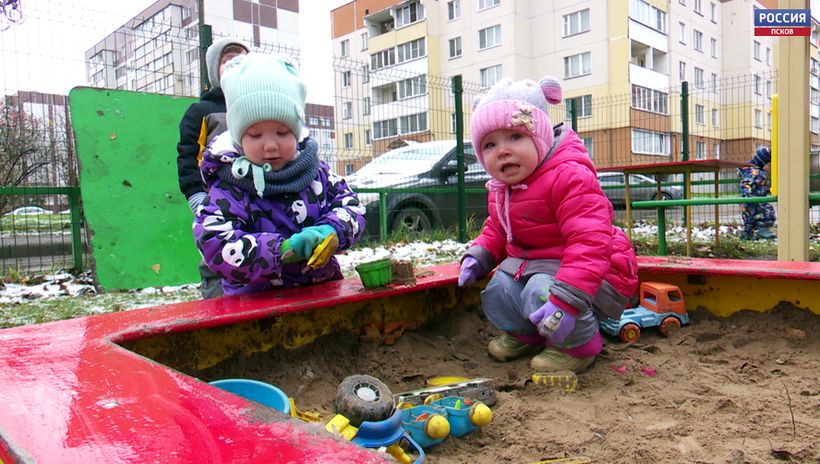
562	214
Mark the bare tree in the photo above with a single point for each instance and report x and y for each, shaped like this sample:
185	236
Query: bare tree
25	149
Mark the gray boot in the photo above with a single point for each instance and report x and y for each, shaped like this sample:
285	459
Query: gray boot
765	233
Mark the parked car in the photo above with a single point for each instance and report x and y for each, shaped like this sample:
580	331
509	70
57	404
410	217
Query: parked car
28	211
420	166
641	187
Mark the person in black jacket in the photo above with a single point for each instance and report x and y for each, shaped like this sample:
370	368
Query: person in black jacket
203	121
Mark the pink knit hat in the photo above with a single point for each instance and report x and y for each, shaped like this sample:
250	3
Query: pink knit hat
516	105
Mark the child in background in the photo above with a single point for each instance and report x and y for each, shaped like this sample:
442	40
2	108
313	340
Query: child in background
560	260
758	218
269	195
203	121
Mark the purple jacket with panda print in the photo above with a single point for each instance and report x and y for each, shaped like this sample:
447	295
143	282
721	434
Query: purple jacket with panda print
239	234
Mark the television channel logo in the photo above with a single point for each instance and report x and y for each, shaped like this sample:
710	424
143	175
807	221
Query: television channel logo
782	23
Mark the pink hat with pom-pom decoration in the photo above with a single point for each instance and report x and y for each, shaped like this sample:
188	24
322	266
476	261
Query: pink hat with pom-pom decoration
520	106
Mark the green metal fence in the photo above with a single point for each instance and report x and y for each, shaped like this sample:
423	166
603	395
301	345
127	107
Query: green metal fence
379	108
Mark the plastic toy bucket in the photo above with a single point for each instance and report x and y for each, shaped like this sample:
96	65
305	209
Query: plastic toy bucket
427	425
375	273
255	390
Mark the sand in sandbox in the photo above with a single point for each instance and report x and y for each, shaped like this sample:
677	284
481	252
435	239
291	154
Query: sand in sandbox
724	390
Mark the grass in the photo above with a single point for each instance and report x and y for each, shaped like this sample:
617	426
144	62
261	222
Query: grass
68	307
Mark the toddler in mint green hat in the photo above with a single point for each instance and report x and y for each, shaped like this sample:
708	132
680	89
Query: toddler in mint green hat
271	201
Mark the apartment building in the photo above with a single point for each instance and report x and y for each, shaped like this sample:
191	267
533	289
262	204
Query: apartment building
158	50
622	64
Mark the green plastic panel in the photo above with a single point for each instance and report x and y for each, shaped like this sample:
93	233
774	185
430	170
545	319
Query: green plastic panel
140	222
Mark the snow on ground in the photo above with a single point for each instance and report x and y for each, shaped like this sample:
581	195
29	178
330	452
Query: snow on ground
65	285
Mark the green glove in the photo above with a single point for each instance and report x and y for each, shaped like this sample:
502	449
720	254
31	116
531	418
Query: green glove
300	246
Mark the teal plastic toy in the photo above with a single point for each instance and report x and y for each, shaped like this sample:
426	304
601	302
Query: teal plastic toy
465	415
427	425
255	390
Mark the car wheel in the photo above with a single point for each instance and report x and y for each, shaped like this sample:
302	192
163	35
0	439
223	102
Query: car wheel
669	325
413	220
363	398
663	196
629	333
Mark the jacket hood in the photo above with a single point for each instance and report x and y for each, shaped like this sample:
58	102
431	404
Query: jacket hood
567	147
221	152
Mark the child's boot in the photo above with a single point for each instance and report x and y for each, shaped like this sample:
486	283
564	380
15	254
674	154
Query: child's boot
576	359
552	360
765	233
507	347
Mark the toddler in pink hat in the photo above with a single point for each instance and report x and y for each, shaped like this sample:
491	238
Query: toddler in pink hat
560	262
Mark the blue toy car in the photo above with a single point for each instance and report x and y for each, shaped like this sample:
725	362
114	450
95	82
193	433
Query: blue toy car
661	305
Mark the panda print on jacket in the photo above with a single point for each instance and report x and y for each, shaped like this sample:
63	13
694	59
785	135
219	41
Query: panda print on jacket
239	233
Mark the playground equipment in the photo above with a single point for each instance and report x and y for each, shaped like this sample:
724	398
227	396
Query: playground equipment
111	388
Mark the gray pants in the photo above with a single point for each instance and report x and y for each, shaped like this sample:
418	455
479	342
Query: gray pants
508	303
211	284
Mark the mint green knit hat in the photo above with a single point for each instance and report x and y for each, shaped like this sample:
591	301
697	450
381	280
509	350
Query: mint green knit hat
260	87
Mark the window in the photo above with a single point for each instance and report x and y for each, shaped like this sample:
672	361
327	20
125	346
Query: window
648	15
577	65
758	119
490	76
365	74
345	48
382	129
345	78
699	7
714	83
757	85
757	50
484	4
650	100
713	12
698	77
364	41
716	151
715	117
700	116
589	146
768	56
411	50
700	150
814	125
313	121
366	106
576	23
409	14
452	123
697	38
455	47
489	37
413	123
768	89
682	33
347	110
713	47
412	87
349	169
453	9
583	107
368	139
348	140
383	59
650	143
682	71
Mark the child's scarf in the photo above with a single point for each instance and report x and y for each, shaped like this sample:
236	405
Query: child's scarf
293	178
